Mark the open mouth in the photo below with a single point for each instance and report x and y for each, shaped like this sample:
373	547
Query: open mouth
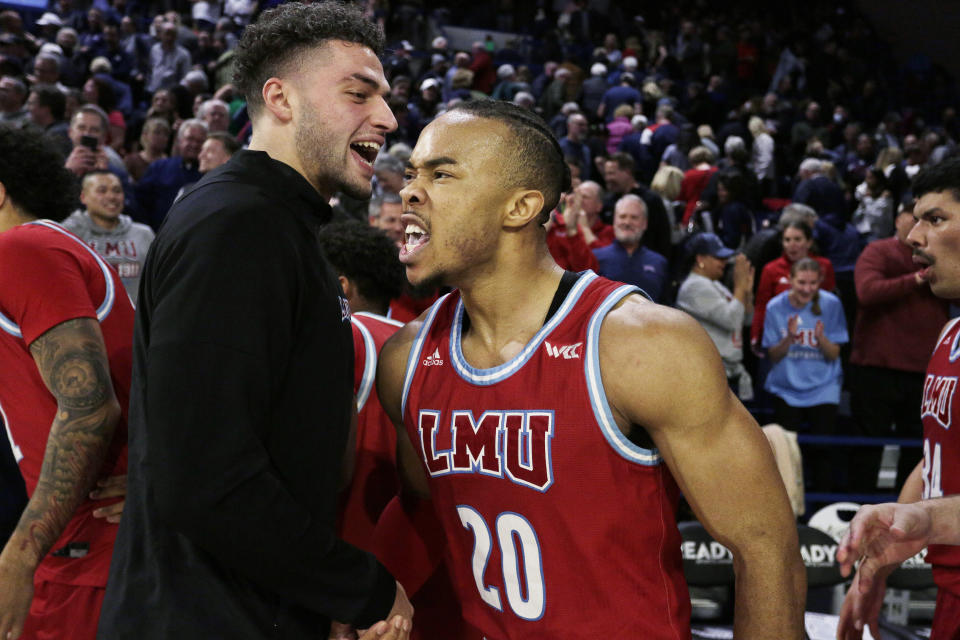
367	151
415	238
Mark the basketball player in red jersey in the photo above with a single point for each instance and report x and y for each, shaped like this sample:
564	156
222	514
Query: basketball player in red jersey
66	328
371	276
554	417
884	534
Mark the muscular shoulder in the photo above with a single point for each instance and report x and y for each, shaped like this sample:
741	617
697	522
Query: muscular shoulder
391	367
640	329
661	351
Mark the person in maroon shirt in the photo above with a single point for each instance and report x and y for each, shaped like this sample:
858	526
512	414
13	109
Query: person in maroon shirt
898	321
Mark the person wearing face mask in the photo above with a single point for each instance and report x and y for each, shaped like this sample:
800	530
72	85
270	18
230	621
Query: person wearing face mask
797	241
802	332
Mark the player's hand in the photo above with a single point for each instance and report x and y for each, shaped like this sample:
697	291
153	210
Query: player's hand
882	536
861	609
111	487
16	593
396	629
818	330
397	626
401	608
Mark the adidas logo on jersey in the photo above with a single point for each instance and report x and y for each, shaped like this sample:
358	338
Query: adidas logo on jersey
566	351
433	360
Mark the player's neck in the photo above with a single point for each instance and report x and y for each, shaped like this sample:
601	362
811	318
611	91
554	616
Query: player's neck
10	216
506	309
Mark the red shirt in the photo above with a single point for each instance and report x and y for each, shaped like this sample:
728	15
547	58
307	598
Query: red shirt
694	182
375	481
572	252
554	521
941	445
898	321
775	279
49	276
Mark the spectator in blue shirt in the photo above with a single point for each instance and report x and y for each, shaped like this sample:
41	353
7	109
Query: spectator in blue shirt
626	260
624	93
802	331
164	178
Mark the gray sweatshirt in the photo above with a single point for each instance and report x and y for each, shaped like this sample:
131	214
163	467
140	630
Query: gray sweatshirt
124	247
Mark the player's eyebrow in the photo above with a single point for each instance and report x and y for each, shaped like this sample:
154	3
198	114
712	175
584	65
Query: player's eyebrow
433	162
934	211
367	80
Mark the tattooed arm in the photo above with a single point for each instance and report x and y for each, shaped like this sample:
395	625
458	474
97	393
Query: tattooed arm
72	360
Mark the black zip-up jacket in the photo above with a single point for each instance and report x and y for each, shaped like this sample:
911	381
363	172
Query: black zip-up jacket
239	416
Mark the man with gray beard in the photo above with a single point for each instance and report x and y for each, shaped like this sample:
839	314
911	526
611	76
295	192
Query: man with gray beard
626	260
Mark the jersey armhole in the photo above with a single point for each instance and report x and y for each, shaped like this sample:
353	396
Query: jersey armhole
415	349
598	396
109	290
369	365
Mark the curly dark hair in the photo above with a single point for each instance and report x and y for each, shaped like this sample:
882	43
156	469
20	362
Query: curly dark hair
32	172
282	34
367	257
536	160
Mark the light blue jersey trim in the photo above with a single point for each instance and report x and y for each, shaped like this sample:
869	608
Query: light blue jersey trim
598	397
109	296
415	349
370	361
486	377
369	365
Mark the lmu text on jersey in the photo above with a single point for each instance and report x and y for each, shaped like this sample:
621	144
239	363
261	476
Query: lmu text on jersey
514	445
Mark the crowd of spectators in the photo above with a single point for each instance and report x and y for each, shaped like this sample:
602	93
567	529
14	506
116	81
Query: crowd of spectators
681	121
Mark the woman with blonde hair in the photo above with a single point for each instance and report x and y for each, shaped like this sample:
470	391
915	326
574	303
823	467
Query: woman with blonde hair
666	183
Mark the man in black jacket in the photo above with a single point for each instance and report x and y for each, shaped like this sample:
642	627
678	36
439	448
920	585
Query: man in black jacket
243	360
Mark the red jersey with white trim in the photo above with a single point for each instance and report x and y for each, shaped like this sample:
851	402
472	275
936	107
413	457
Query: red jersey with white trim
941	444
375	481
49	276
558	526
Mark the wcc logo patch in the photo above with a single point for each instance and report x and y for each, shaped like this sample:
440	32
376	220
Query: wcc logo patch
938	398
565	351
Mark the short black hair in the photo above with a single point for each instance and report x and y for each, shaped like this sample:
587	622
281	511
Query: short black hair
52	98
32	172
943	176
367	257
284	33
536	161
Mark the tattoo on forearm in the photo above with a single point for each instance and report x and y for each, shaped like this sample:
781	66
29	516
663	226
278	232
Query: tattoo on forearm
73	363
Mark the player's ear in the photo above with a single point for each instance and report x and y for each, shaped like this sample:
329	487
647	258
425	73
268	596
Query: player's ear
523	207
346	285
276	98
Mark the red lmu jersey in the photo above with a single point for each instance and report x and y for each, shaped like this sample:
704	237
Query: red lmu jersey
49	276
941	444
557	525
375	481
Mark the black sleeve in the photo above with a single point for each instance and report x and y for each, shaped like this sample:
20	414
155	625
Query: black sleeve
223	304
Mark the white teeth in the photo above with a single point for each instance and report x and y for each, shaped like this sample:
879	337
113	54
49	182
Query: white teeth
412	228
372	145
